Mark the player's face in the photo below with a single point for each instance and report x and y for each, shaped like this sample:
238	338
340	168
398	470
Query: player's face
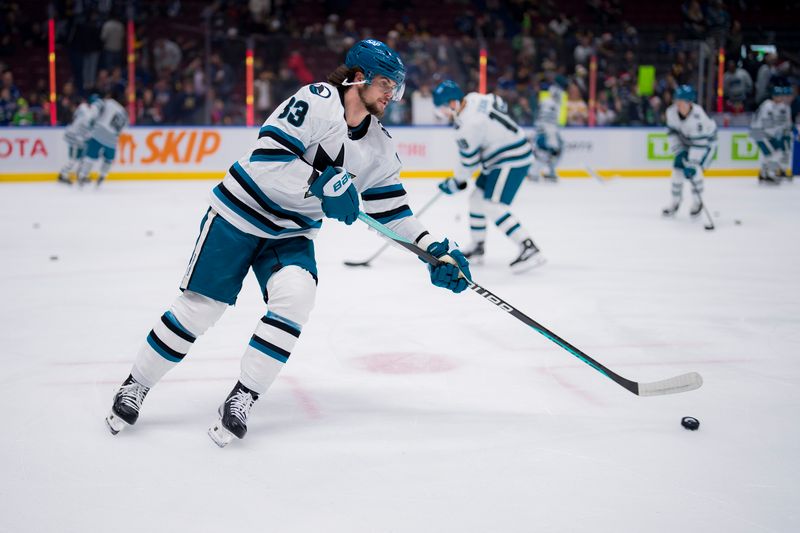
684	106
377	95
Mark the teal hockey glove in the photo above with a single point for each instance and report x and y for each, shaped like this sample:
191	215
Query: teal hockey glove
338	194
454	269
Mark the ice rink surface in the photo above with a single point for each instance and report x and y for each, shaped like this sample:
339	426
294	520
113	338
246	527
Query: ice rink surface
405	408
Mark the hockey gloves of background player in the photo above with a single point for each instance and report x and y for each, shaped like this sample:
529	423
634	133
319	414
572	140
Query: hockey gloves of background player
338	194
688	168
452	185
453	268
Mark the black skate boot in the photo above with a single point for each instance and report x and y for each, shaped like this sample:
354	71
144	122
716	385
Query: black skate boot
474	253
233	416
63	178
671	209
127	402
697	207
529	257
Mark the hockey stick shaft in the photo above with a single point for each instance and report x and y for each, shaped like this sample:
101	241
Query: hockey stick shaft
383	248
705	209
682	383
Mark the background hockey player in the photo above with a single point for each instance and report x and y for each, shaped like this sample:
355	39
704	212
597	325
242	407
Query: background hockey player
488	139
77	133
548	144
314	155
771	129
693	137
103	139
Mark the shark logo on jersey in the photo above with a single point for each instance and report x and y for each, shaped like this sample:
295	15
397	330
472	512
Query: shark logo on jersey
320	90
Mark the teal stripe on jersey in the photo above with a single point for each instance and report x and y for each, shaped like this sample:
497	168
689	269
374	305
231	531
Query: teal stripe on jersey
505	149
241	213
296	217
283	158
508	159
297	143
384	189
470	154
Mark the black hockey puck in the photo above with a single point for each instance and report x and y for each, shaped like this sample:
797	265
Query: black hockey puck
690	422
737	222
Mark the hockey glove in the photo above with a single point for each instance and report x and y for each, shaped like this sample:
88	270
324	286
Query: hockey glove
453	272
338	194
452	185
689	172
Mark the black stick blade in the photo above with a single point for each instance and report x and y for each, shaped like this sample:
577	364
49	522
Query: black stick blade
357	263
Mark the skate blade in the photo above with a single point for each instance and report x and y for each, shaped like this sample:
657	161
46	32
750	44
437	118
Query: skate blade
533	262
114	423
221	436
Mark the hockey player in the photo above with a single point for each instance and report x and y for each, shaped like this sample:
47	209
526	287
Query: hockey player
77	133
315	154
103	138
771	128
488	138
548	144
693	137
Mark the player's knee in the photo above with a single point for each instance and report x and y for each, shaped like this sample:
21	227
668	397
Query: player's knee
196	312
291	292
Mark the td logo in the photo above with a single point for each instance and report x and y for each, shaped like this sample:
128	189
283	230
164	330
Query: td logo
658	147
743	148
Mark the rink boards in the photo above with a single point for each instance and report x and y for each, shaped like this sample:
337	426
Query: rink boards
148	153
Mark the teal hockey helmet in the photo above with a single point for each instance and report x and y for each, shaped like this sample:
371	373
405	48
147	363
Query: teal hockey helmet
94	97
374	58
685	92
446	92
781	87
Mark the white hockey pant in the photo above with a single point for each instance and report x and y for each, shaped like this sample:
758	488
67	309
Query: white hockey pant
678	177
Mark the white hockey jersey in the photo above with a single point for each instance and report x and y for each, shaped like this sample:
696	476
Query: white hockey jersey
549	109
772	120
109	123
488	137
695	134
264	193
82	120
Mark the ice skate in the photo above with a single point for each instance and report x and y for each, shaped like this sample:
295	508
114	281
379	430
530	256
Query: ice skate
64	178
475	253
127	402
529	257
670	210
233	416
696	209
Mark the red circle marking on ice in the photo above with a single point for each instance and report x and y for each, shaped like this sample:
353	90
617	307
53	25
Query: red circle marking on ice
405	363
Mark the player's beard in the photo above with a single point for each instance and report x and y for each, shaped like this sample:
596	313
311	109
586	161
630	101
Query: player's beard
372	107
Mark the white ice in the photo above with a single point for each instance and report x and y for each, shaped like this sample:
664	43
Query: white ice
405	408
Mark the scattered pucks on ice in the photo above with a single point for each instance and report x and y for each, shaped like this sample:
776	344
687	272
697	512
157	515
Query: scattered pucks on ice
737	222
690	422
53	258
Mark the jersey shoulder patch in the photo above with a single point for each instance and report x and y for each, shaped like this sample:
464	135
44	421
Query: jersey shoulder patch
320	89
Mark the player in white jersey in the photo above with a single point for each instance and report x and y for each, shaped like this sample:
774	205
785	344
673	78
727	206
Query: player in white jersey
488	139
77	133
693	137
548	143
103	139
264	216
771	128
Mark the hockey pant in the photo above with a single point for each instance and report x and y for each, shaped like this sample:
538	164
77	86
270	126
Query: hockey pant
689	166
94	150
482	209
291	293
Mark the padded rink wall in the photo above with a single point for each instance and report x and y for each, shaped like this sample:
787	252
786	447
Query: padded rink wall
37	154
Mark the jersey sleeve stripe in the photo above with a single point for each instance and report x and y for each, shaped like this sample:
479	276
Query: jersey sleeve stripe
272	154
386	188
368	196
508	159
506	148
249	186
393	214
278	135
469	154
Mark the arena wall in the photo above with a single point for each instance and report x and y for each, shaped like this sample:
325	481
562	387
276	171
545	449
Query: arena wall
36	154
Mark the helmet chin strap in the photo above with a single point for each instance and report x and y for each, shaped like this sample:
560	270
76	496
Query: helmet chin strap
349	83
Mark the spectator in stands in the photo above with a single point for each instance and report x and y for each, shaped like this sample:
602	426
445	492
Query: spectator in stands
148	112
605	115
737	87
8	107
262	87
8	83
577	110
298	66
167	55
584	50
765	72
693	20
222	77
112	35
23	116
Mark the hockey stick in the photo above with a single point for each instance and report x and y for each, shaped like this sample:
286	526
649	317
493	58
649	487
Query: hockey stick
367	261
681	383
710	225
594	174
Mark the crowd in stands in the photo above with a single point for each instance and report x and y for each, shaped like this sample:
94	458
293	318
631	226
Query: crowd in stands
529	42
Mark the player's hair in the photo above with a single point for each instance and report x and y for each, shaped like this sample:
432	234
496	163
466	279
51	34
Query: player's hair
341	74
